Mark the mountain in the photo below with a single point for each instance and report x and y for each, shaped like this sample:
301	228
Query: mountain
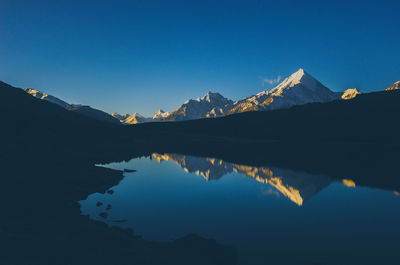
350	93
196	109
135	118
298	89
160	114
394	86
81	109
131	118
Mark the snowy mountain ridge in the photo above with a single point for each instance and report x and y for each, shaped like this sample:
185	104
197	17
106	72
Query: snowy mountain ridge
40	95
298	89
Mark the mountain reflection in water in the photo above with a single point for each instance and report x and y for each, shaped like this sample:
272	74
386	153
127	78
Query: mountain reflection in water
297	186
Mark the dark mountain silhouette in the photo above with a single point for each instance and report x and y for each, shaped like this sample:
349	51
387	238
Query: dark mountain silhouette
93	113
31	121
82	109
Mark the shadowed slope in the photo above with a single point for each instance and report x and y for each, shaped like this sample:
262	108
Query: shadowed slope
82	109
43	121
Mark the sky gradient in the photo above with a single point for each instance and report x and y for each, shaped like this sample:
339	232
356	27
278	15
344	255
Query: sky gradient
139	56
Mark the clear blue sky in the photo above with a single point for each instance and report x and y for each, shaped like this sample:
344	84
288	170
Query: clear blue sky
129	56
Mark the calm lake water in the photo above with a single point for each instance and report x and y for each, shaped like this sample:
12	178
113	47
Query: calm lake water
270	215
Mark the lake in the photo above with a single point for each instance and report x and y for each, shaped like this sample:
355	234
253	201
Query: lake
269	215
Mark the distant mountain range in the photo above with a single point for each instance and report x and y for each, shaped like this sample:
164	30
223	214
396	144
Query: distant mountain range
298	89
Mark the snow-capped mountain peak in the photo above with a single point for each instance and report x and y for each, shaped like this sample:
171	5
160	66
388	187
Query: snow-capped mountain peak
160	114
210	96
299	77
394	86
134	118
350	93
297	89
292	80
198	108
